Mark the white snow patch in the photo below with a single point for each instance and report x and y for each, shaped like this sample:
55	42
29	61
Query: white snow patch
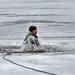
58	64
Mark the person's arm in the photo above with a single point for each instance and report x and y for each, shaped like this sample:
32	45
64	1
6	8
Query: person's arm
33	40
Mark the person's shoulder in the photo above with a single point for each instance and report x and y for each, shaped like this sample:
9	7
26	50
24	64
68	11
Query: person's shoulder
31	37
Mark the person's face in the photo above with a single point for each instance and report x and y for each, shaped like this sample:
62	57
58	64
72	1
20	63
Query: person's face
34	32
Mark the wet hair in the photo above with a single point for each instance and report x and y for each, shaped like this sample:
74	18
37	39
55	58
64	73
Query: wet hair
31	28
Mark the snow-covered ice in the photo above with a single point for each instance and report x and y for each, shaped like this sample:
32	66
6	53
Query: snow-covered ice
57	64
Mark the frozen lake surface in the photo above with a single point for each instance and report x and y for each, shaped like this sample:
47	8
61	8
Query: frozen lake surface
58	64
55	20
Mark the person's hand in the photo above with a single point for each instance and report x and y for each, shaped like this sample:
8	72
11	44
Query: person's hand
41	46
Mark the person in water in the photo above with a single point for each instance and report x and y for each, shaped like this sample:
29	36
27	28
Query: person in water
31	42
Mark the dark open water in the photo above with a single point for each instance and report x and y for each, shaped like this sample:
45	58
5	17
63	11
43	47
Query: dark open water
55	20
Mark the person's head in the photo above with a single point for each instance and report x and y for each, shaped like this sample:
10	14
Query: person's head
33	30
